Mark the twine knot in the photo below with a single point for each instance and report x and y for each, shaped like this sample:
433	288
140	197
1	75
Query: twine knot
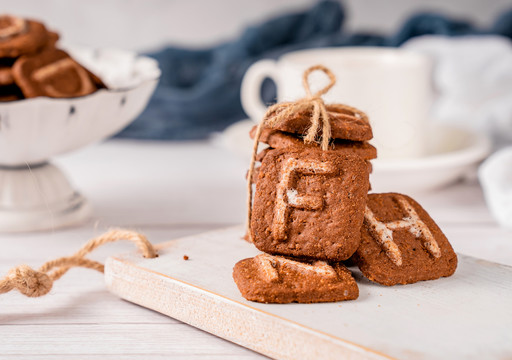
34	283
311	103
29	282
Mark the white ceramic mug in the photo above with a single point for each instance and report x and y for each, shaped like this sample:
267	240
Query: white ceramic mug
393	86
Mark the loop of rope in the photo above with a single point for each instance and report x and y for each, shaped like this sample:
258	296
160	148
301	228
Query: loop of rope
305	83
34	283
281	111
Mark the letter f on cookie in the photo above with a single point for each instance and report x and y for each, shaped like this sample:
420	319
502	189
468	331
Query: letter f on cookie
287	197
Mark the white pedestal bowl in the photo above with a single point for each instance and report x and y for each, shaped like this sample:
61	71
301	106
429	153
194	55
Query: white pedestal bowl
36	195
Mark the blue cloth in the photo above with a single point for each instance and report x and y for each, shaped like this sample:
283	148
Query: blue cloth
199	92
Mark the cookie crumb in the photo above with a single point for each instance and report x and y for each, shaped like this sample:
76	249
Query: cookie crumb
185	257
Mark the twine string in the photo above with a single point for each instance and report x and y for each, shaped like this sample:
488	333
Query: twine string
278	113
35	283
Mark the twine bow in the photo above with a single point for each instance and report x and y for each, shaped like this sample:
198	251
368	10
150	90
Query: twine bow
34	283
311	103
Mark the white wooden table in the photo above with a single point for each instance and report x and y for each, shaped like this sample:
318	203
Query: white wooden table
165	190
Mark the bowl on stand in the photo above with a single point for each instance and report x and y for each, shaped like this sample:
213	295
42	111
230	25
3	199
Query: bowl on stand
35	194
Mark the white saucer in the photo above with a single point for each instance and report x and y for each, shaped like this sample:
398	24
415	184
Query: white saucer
452	154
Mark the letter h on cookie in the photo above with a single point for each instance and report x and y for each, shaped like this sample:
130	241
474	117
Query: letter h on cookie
383	232
288	197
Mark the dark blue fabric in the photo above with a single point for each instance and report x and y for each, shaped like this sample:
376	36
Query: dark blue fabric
199	92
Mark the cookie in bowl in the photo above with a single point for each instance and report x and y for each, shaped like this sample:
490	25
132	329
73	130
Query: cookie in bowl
32	65
52	73
20	36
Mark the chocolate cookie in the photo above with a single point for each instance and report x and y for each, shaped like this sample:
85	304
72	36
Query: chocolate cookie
279	140
401	244
6	77
52	73
261	155
20	37
370	166
309	203
345	124
53	37
255	174
275	279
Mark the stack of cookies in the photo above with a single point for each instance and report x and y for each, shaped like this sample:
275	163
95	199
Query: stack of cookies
31	65
350	134
311	212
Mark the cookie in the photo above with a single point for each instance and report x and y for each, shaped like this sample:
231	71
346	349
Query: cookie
370	166
279	140
20	37
401	244
309	203
6	77
345	124
275	279
52	73
261	155
51	43
255	174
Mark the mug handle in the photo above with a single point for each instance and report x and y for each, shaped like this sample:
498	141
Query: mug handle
250	92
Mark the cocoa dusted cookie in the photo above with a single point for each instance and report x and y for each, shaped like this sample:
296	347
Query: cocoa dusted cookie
275	279
345	124
255	174
279	140
20	37
51	43
370	166
261	155
52	73
309	203
6	77
401	244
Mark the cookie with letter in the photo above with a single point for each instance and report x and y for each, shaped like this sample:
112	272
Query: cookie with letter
52	73
275	279
401	244
309	203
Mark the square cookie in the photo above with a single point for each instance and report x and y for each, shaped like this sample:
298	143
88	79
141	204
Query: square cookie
401	244
52	73
345	124
275	279
309	203
279	139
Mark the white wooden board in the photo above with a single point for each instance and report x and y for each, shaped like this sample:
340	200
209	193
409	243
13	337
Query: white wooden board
468	315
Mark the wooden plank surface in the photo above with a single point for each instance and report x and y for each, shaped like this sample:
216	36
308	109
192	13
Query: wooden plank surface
448	318
165	190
